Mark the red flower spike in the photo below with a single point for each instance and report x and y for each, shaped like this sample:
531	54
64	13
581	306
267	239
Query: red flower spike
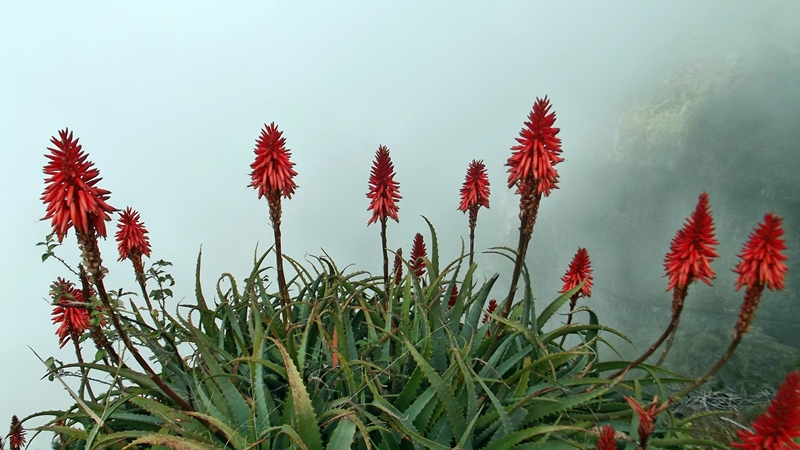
763	257
70	194
647	418
534	159
475	190
607	441
692	249
779	425
272	170
490	309
397	268
131	235
383	190
580	269
16	436
418	251
73	318
453	298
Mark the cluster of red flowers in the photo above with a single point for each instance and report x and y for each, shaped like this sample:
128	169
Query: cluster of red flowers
692	249
272	173
16	436
533	161
607	441
397	268
131	235
762	256
580	270
383	189
490	309
71	193
475	190
779	426
418	252
70	313
647	418
453	298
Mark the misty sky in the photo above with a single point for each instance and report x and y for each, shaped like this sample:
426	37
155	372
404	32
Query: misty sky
168	100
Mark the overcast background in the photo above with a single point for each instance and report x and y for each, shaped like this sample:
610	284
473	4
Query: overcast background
168	100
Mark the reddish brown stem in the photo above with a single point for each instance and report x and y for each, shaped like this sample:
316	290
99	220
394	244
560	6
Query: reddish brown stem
385	263
101	291
711	372
275	216
678	297
572	302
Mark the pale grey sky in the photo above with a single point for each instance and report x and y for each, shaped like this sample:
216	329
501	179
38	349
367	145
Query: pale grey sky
168	98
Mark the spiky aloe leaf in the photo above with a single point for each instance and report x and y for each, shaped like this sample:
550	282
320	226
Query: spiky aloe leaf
470	327
452	408
303	411
551	309
343	436
434	266
517	437
173	442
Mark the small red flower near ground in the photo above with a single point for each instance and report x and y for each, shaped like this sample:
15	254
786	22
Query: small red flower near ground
490	309
397	268
453	298
418	251
16	436
580	269
535	157
73	319
607	441
647	418
71	193
131	235
779	425
475	190
762	256
383	189
692	249
272	170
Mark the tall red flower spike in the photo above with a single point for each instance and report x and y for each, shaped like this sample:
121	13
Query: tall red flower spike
534	159
418	251
16	435
73	319
272	170
71	193
647	418
475	190
779	426
131	235
397	268
580	269
383	189
692	249
762	256
490	309
607	441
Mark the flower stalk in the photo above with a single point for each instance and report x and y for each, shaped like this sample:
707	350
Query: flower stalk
532	171
383	192
474	194
273	177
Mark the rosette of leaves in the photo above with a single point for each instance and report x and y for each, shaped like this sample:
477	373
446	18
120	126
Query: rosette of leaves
353	373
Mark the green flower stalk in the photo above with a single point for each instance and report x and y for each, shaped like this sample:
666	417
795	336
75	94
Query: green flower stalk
689	259
383	193
474	194
273	177
532	171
